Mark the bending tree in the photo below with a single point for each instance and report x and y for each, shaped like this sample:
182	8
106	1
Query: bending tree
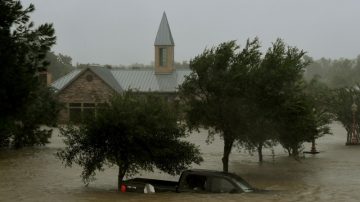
134	132
214	94
22	51
284	114
248	98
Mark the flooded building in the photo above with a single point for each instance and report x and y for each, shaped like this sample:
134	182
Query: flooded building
85	89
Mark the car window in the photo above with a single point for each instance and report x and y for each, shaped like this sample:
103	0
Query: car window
195	183
221	185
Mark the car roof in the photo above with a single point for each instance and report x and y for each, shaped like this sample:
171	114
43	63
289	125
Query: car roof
211	172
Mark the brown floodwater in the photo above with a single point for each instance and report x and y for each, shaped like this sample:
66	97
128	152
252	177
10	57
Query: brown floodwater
35	174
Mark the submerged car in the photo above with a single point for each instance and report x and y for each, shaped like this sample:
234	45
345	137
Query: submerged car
196	181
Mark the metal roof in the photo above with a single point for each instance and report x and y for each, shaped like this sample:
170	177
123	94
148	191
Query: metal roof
143	80
163	36
104	74
60	83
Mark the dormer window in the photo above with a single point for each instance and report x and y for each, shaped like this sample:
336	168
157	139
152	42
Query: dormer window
163	57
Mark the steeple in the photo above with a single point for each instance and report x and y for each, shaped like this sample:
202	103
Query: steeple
164	37
164	48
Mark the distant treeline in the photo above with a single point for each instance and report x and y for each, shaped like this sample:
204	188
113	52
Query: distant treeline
336	73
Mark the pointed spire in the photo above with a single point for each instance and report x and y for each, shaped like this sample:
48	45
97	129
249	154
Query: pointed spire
164	37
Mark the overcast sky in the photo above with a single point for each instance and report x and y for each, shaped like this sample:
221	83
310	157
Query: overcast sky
123	32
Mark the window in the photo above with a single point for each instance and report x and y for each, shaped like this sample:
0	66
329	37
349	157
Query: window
75	112
221	185
163	57
82	111
195	183
88	110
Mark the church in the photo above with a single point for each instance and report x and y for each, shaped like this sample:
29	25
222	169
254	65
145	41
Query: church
85	89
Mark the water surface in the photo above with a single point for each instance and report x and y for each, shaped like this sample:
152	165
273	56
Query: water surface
35	174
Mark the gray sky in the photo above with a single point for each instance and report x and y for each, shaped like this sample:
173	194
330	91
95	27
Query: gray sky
123	32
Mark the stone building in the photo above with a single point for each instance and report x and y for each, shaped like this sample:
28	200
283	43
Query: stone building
85	89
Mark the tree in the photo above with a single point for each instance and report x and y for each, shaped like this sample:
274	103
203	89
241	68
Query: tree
275	85
42	109
282	96
321	97
341	104
134	132
214	94
59	65
22	51
249	99
297	124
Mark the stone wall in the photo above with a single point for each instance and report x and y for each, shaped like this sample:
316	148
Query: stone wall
87	88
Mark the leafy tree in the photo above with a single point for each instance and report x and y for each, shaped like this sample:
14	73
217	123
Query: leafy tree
42	109
256	101
282	83
341	104
321	97
134	132
22	51
59	65
214	94
276	85
297	124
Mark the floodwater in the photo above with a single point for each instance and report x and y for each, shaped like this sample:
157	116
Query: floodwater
333	175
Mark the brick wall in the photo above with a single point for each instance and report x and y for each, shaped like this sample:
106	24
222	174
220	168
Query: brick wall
87	88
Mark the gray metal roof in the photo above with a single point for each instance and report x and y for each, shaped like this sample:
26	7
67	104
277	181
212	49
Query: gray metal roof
60	83
163	36
143	80
104	73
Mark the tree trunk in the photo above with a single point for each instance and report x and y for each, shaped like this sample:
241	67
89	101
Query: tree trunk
121	175
259	149
289	151
295	152
228	142
348	139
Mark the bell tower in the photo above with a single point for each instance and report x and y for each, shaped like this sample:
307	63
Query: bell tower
164	48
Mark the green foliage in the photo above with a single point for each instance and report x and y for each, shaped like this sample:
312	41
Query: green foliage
249	99
297	124
59	65
343	99
214	93
42	109
134	132
282	97
22	51
321	97
274	83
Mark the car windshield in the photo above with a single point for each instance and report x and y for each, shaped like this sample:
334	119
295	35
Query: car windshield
242	184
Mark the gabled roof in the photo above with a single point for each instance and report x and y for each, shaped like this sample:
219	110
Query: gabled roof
164	37
143	80
104	74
